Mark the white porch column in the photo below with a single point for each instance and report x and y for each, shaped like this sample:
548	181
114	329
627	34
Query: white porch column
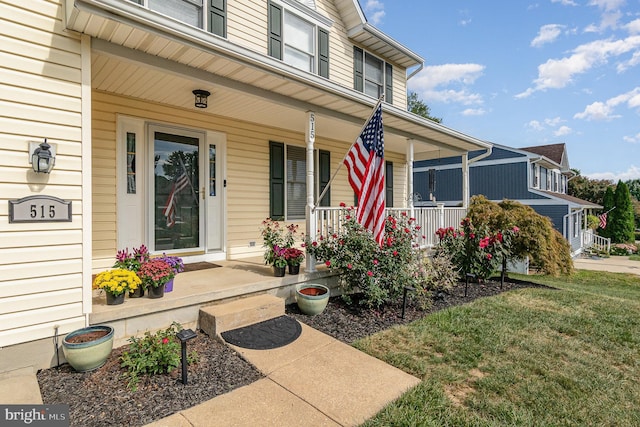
465	180
409	157
312	224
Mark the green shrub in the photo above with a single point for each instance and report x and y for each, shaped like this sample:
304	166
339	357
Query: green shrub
379	273
152	354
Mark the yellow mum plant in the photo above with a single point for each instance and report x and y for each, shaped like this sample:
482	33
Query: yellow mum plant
118	281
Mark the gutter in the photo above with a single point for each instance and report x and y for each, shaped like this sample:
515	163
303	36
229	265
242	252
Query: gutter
482	156
416	71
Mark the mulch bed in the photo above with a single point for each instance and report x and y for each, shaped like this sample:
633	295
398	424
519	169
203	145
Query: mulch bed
102	398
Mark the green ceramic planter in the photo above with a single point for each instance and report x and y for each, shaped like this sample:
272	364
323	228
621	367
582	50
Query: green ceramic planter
312	298
92	352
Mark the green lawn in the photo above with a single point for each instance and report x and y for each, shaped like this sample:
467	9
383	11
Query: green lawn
568	356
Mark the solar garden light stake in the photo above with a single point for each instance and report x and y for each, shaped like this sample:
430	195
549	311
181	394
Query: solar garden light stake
466	283
404	298
184	336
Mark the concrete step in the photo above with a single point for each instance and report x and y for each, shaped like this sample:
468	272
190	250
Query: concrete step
215	319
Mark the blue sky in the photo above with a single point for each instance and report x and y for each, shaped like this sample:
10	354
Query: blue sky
522	73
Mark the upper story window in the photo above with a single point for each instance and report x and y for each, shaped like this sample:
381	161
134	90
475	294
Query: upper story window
211	15
535	176
372	75
298	40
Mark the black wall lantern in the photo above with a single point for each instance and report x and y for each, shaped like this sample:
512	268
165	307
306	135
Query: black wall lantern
201	98
42	158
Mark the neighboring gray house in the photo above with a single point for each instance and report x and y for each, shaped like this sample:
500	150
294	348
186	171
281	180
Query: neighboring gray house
534	176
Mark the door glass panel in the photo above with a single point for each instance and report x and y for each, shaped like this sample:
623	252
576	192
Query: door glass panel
176	203
212	170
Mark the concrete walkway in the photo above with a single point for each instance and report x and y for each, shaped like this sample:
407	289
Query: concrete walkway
314	381
614	264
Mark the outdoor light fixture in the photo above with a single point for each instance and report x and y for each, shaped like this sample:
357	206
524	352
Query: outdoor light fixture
184	336
201	97
42	158
466	283
404	298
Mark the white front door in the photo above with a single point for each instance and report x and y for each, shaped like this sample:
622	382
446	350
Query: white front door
171	196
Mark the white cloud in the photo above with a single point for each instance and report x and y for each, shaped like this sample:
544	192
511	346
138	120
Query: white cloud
375	9
563	130
607	4
632	139
632	173
565	2
535	125
598	111
434	83
464	22
625	65
558	73
633	27
554	122
474	112
547	34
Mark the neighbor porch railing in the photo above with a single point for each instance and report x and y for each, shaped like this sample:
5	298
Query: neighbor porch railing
591	240
330	220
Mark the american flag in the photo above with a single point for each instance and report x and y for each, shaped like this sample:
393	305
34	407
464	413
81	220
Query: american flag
365	163
180	183
603	220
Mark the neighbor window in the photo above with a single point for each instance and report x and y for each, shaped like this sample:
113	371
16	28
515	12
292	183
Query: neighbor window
209	14
372	75
297	41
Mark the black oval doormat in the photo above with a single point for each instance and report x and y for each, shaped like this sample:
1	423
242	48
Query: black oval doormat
272	333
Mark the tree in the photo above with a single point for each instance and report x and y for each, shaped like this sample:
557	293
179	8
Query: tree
418	107
622	222
608	203
584	188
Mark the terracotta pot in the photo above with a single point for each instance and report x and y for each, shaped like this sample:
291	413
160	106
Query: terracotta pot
88	348
312	298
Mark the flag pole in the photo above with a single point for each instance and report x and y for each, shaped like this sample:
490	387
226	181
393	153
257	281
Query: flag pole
326	187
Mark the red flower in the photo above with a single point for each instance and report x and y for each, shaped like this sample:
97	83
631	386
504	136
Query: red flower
484	242
328	263
489	256
499	237
375	262
395	253
343	205
349	266
348	216
369	273
314	244
165	340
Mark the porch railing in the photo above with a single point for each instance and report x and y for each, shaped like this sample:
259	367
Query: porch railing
591	240
331	220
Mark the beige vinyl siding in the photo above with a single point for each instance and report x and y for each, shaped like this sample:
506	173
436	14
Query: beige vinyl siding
340	47
247	24
40	263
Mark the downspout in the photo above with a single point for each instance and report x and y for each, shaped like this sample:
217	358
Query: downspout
416	71
465	174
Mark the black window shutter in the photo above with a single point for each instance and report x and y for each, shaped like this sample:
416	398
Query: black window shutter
388	176
323	53
324	175
218	17
388	83
276	180
358	69
275	31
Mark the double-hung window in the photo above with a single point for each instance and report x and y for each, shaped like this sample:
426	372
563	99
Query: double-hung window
288	180
535	176
209	14
372	75
298	39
